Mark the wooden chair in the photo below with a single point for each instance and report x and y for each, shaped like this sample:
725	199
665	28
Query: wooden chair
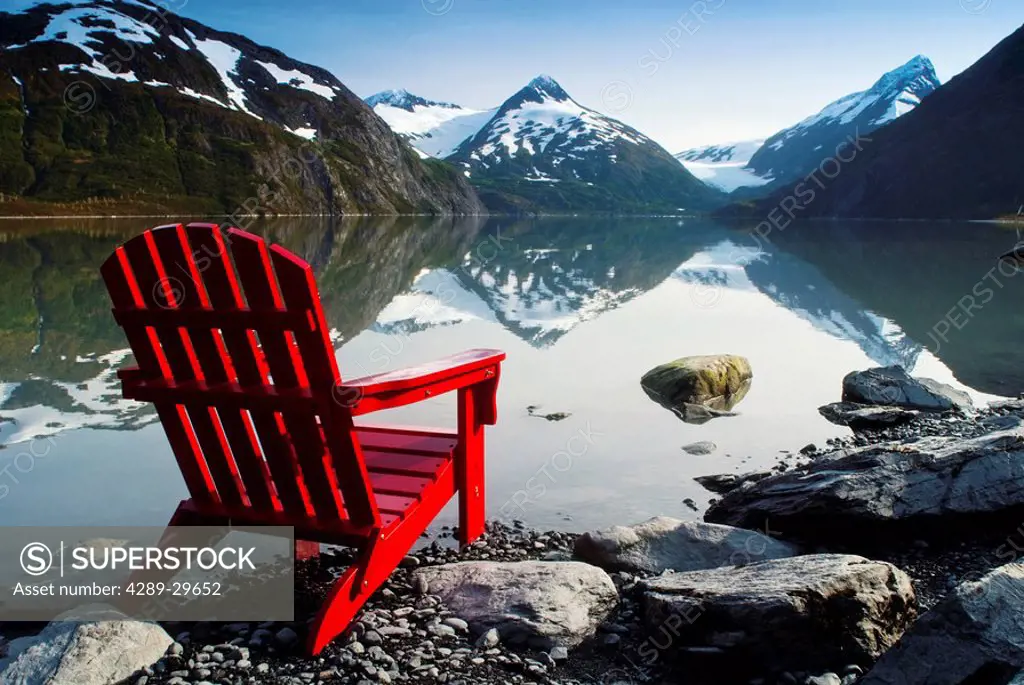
233	349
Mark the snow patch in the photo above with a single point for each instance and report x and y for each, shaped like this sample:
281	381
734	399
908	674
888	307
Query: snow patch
297	79
224	59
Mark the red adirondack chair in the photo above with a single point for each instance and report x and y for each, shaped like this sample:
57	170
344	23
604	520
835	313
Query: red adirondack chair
235	354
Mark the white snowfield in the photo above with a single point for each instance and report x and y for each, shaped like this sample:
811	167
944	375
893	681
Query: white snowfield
723	165
436	129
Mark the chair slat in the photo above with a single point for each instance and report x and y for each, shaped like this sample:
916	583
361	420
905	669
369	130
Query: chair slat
394	484
257	278
124	293
401	463
299	291
224	293
394	504
177	257
158	289
190	315
203	394
389	440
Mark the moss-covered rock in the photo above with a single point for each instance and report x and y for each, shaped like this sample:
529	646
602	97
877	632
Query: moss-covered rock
714	382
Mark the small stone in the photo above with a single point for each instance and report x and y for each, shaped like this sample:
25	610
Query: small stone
824	679
809	449
559	654
702	448
441	630
260	637
456	623
489	639
286	636
420	585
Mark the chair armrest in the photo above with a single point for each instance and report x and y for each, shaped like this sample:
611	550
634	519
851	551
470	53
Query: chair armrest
404	386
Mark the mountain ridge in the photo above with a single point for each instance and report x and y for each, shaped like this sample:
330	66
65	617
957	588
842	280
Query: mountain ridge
953	157
797	150
120	101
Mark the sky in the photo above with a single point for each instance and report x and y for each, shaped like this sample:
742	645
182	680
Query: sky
684	72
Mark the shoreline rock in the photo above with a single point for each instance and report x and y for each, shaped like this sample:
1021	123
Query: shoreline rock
84	653
542	603
893	386
663	544
866	417
815	611
975	635
898	489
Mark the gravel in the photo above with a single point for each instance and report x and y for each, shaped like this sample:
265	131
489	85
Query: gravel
405	635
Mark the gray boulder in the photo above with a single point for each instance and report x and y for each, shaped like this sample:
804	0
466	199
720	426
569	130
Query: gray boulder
664	543
544	603
92	653
893	386
863	491
801	613
699	388
975	635
865	416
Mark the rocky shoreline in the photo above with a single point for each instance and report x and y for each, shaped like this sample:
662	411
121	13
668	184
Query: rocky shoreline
669	601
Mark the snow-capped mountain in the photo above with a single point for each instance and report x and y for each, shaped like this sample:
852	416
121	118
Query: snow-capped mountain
434	129
722	166
543	149
204	113
794	152
957	156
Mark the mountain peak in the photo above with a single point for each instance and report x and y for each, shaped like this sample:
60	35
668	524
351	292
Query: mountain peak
918	68
403	99
545	86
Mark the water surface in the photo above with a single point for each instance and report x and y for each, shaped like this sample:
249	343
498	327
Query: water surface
583	307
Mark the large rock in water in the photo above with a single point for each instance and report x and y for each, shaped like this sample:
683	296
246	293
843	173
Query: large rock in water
915	487
893	386
93	653
663	544
542	603
815	612
975	635
715	383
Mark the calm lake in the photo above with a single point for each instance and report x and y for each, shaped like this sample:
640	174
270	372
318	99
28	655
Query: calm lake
583	307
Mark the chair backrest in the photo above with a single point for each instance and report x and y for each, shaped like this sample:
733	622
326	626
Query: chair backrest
233	349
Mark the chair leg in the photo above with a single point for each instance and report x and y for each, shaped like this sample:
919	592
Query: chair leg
343	602
140	604
469	464
375	563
